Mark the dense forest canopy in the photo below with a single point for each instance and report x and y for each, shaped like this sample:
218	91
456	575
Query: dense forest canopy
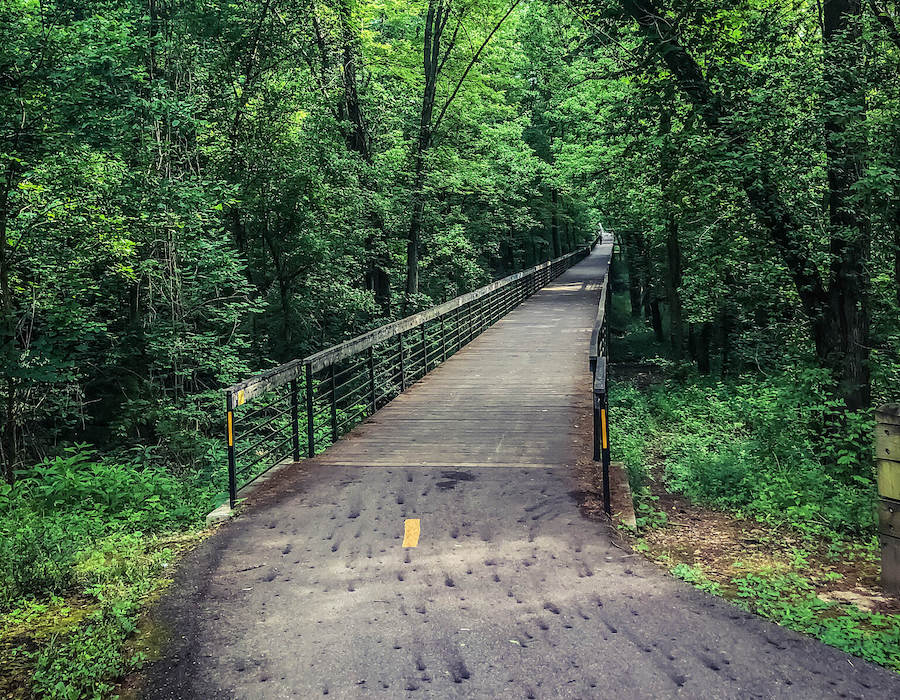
195	190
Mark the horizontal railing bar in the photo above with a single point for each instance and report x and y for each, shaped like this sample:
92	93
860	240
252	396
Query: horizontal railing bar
248	430
256	461
266	470
363	387
376	377
597	334
351	417
255	412
259	442
352	367
598	325
355	378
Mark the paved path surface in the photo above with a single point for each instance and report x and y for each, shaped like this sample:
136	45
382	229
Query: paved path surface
510	593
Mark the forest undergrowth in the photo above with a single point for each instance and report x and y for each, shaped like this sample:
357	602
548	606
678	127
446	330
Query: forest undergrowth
735	494
87	543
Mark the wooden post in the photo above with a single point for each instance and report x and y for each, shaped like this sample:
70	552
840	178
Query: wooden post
887	457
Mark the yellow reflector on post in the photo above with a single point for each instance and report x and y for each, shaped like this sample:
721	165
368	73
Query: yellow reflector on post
603	432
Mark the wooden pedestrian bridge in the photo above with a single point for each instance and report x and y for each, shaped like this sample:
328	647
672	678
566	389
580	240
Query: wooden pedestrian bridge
518	346
430	544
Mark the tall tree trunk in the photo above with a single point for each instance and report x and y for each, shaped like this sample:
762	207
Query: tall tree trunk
673	248
634	274
358	138
692	342
651	298
897	248
703	342
358	135
435	21
673	292
725	324
848	292
655	316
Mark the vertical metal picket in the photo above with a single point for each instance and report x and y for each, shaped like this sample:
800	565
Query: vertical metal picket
424	349
465	318
334	423
371	355
295	422
402	365
310	417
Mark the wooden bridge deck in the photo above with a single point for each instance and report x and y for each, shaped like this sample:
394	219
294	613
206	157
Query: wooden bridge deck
508	593
509	398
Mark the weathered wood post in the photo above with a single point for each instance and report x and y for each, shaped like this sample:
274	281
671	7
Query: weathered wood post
887	456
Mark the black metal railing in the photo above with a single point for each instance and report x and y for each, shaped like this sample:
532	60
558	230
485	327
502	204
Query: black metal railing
339	387
599	363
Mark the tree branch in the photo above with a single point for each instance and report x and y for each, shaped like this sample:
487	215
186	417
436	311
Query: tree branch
887	22
471	64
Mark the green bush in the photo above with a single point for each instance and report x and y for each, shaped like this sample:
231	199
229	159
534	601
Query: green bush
78	481
36	554
66	505
750	445
790	600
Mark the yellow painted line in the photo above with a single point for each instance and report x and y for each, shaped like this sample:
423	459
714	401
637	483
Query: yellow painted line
411	532
603	428
230	429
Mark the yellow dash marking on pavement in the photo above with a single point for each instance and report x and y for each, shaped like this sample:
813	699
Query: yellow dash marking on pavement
411	532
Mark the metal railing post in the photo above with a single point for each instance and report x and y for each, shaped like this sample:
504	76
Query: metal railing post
424	349
372	377
334	423
479	309
604	448
601	428
402	367
295	422
310	423
229	437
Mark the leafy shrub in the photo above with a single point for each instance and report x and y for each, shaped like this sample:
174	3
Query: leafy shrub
35	554
66	505
752	445
78	481
790	600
